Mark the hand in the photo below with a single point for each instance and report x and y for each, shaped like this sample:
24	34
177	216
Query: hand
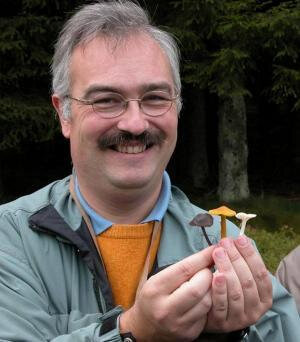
241	286
173	304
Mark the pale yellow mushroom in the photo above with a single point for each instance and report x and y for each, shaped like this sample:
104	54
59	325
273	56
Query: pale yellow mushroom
244	218
223	212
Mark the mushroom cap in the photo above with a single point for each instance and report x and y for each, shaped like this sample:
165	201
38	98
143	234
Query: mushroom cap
202	220
225	211
244	216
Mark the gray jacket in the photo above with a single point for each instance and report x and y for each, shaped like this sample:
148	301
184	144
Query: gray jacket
52	283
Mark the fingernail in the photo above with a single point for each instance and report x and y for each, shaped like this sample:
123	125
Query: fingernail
220	253
242	240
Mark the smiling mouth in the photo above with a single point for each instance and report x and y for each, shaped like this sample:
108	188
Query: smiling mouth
131	149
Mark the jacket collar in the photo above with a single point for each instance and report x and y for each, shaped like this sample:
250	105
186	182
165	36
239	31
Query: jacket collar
49	221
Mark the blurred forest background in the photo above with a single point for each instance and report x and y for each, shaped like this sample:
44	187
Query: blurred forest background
239	127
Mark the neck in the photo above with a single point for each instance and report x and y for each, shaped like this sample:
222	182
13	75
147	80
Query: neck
121	206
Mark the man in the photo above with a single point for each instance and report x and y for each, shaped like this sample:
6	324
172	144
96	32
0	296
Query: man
108	254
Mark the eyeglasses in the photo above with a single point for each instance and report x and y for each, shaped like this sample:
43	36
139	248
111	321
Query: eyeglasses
111	105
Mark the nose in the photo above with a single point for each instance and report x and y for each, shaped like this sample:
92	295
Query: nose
133	120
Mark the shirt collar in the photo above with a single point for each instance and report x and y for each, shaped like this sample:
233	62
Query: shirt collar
100	224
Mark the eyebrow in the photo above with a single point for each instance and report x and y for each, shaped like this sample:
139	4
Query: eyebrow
158	86
97	88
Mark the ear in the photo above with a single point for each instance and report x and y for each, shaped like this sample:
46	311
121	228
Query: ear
64	122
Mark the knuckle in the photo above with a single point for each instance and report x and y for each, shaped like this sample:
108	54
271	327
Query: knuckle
196	293
221	307
226	266
220	292
268	304
161	315
247	284
187	269
235	296
235	256
249	251
253	317
149	291
262	275
207	303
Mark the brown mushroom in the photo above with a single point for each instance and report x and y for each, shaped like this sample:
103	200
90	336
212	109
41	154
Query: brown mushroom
203	220
223	212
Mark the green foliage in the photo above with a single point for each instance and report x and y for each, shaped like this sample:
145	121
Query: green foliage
227	43
22	119
228	65
27	34
214	35
24	50
282	44
286	85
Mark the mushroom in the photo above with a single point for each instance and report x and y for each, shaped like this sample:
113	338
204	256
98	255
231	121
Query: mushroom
203	220
244	218
223	212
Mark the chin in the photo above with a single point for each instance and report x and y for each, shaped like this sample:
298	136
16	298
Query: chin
132	182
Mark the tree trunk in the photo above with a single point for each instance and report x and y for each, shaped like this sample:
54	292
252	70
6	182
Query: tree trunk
197	159
233	149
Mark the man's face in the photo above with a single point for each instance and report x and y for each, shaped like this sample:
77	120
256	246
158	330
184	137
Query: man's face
130	68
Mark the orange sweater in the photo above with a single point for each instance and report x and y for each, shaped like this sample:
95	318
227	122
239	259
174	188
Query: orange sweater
124	249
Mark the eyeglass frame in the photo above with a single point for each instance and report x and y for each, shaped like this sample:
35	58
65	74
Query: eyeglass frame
125	103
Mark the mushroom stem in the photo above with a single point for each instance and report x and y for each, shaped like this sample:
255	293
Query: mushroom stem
206	236
223	226
243	226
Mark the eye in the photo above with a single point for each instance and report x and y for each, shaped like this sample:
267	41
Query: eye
107	101
156	97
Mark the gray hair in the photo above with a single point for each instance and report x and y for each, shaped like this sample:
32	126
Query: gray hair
113	19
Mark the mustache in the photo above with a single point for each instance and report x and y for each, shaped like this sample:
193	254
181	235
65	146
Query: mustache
125	138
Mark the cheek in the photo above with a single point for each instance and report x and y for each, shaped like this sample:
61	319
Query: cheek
89	129
170	127
173	133
167	123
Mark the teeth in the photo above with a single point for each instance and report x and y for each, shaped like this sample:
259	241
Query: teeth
131	149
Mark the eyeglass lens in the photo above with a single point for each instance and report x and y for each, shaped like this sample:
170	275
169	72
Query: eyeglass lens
152	103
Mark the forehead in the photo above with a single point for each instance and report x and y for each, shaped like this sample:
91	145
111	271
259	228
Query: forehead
128	63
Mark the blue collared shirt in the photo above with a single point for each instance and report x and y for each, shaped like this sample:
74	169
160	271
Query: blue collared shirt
100	224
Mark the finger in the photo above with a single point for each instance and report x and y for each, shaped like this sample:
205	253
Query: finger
198	311
247	282
257	267
191	292
235	296
168	280
192	322
219	308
